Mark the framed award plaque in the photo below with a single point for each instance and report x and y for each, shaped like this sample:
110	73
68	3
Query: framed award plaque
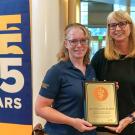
101	103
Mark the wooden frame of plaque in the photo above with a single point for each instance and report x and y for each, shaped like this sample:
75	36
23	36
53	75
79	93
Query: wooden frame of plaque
101	103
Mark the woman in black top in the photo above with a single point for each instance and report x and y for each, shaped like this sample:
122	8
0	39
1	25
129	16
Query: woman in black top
116	62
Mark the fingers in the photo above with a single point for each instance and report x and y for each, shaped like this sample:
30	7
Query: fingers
119	129
117	85
111	128
86	123
90	128
83	125
116	129
122	125
87	126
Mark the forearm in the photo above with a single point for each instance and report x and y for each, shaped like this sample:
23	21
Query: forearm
123	123
132	117
43	109
54	116
133	113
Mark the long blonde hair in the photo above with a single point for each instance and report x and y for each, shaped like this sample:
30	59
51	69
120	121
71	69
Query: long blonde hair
110	52
63	53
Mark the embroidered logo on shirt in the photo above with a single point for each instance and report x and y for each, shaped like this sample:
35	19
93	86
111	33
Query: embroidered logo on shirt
44	85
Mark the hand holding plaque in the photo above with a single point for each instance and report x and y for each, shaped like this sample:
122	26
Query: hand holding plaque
101	103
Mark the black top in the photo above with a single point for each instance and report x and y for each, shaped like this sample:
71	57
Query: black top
122	71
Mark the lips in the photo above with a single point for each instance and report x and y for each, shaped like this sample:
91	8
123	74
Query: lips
79	51
118	33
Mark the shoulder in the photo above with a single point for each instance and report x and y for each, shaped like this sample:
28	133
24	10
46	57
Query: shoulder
91	70
53	76
54	70
99	53
98	57
57	68
99	62
90	67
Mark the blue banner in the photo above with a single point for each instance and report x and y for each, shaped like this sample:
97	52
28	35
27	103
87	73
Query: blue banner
15	63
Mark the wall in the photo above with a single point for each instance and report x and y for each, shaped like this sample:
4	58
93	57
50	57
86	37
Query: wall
49	18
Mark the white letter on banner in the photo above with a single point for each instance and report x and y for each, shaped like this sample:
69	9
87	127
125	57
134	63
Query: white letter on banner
5	73
8	102
17	103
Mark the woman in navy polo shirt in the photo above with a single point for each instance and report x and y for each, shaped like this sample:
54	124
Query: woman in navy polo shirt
61	98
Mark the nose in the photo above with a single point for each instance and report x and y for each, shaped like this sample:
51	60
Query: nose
79	43
117	27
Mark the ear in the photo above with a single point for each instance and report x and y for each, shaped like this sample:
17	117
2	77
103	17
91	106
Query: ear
66	44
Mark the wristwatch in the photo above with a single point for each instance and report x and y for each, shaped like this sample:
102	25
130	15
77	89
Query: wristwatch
132	117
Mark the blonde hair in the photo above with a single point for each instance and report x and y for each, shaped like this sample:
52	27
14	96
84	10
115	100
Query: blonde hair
110	52
63	53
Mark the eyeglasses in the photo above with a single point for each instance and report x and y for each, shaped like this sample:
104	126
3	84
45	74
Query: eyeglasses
122	25
75	42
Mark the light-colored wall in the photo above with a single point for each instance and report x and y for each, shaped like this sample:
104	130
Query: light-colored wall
73	11
49	18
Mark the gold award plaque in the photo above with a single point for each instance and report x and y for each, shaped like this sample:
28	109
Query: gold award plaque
101	103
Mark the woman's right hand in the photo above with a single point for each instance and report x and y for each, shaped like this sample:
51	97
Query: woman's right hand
82	125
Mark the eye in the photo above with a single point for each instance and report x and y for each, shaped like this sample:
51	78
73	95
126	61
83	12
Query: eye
112	24
74	41
84	41
122	23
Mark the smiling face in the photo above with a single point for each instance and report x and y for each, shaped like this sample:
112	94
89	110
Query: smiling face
120	37
119	30
76	43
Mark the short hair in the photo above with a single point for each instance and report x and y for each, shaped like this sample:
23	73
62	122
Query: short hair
110	52
63	53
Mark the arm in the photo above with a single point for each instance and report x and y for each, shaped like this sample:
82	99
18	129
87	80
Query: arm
43	109
98	62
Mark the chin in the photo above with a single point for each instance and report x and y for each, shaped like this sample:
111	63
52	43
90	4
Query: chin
119	38
79	57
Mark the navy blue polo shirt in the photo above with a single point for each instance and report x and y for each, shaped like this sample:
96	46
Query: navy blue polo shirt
65	84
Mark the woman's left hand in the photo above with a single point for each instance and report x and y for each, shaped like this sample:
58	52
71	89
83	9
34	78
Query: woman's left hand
122	125
117	85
